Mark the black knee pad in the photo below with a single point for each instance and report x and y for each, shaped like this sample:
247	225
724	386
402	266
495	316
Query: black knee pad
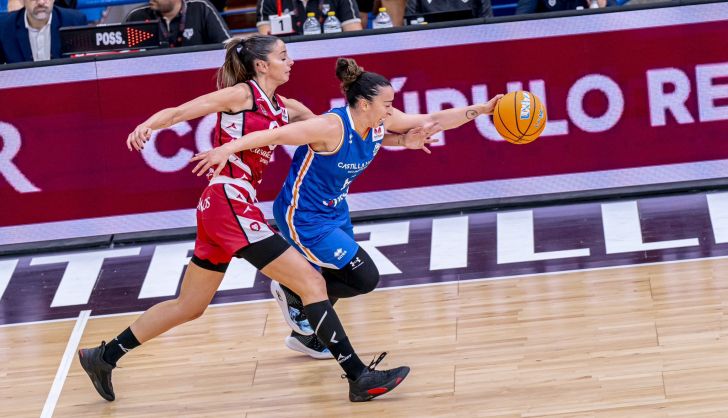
361	272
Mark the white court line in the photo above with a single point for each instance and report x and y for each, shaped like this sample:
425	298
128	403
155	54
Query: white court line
68	356
411	286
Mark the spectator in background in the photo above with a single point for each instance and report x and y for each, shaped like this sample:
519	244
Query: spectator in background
183	22
365	7
538	6
32	33
346	11
482	8
14	5
468	9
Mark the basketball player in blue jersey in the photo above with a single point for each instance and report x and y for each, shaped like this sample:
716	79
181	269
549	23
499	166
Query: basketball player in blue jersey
311	209
229	223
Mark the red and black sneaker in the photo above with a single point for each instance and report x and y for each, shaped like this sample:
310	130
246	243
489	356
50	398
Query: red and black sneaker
372	383
92	361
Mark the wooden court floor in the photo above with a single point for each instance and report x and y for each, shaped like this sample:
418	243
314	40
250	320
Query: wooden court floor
645	341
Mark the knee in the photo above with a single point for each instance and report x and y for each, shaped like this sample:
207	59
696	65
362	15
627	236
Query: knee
313	286
366	277
190	311
197	313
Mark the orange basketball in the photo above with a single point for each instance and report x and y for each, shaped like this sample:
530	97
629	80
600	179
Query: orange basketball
519	117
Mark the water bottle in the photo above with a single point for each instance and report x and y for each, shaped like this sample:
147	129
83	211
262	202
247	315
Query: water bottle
311	26
332	24
383	20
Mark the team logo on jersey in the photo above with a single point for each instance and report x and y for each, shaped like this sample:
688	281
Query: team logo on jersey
378	133
188	33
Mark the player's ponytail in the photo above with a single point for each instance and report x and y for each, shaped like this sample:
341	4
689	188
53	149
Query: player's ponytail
240	57
356	83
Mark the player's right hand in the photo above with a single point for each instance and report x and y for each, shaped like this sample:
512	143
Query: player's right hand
138	138
215	159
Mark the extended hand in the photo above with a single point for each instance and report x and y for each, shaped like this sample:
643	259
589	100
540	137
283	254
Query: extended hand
137	138
419	137
216	157
489	107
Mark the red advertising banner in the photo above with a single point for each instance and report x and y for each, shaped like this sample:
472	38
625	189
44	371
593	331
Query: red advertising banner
627	105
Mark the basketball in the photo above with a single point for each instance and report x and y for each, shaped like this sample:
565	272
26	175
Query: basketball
519	117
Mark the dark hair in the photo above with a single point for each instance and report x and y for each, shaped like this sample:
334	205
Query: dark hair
240	56
357	83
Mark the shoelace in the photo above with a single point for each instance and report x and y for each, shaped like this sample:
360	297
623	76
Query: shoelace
371	365
374	363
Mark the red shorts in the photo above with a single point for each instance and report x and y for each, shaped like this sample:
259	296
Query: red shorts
227	222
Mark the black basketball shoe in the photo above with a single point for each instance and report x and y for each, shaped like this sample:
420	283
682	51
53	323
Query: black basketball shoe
373	383
92	361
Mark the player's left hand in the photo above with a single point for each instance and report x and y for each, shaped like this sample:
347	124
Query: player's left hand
489	107
215	158
420	137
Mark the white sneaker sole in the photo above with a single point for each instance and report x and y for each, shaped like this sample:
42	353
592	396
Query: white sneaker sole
296	345
280	298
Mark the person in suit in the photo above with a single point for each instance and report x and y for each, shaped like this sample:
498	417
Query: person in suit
33	32
539	6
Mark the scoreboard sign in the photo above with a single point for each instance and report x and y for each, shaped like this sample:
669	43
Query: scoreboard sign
90	39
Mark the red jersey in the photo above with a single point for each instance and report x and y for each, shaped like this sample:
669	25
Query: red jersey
249	165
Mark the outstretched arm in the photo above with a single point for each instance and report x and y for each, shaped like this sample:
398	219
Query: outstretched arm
415	138
297	111
224	100
446	119
321	132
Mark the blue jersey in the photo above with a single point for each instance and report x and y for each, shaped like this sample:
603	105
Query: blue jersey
313	200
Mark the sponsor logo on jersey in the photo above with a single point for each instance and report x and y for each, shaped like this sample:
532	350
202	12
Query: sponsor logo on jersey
355	263
334	202
353	167
378	133
266	154
339	253
376	148
203	204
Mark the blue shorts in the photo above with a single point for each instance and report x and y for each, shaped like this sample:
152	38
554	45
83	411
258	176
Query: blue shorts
327	244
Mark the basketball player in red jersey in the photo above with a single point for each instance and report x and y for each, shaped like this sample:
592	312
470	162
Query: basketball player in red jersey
230	225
